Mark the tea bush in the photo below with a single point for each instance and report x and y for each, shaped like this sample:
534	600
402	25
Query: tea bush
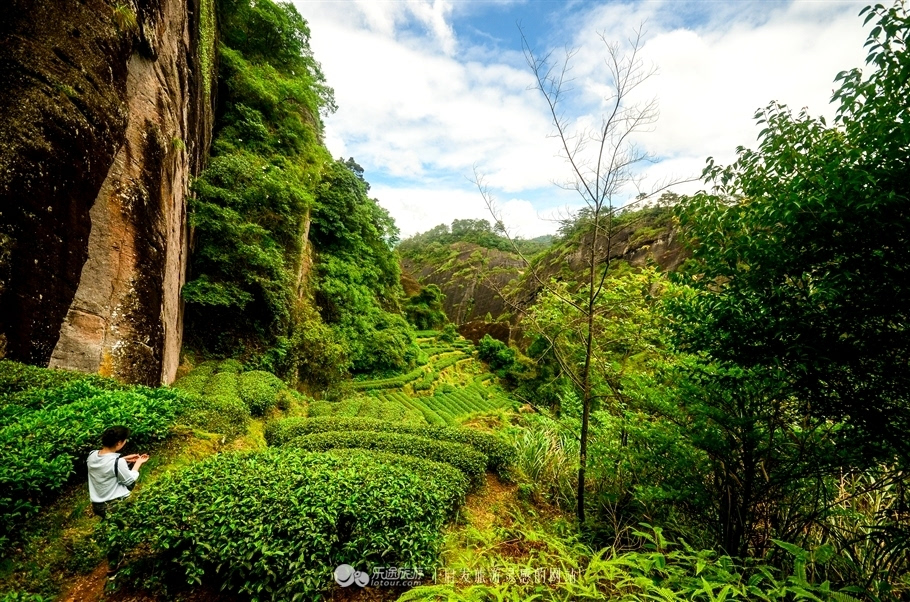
365	407
16	377
195	381
227	416
442	474
39	449
463	457
273	525
259	390
499	453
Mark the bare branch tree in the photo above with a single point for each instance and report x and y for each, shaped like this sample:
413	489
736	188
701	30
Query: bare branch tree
603	164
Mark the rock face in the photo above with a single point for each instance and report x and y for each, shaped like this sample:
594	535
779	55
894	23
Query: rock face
481	285
108	114
473	279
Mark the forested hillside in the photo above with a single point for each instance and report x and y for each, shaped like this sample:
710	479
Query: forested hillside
699	397
488	277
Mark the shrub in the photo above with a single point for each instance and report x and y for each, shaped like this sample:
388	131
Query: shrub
222	384
441	474
499	453
463	457
259	390
224	415
270	525
231	366
195	381
16	377
495	353
38	451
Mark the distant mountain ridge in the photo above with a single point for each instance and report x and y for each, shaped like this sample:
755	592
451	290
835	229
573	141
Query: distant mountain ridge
489	285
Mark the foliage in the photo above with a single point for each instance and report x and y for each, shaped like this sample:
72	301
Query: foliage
800	263
268	524
259	390
495	353
425	309
463	457
253	200
40	449
223	397
16	378
498	453
365	407
562	568
449	333
795	316
474	231
227	416
358	277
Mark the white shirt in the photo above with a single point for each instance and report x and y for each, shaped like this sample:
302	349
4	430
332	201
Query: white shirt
103	485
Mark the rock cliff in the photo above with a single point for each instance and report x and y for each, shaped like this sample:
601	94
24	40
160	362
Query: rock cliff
481	285
107	115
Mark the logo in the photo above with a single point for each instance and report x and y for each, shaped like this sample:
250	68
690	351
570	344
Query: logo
345	575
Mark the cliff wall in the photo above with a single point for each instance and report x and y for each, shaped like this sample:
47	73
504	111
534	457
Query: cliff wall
108	113
478	281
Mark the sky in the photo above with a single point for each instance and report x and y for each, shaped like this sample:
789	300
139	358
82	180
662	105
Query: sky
433	95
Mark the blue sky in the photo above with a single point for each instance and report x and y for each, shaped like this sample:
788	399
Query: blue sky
430	90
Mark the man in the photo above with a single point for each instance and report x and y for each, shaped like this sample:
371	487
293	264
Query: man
109	474
110	477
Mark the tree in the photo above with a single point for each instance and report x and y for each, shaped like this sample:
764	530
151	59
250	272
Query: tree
800	312
602	162
801	249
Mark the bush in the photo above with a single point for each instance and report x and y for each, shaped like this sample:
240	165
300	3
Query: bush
271	525
441	474
195	381
16	377
222	384
38	451
497	354
463	457
259	390
227	416
230	366
499	454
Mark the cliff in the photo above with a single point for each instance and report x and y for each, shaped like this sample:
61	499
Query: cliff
472	278
107	115
479	281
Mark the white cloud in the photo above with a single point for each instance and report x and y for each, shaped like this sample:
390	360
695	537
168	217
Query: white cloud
418	107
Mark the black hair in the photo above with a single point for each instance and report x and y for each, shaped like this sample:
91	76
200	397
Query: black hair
114	435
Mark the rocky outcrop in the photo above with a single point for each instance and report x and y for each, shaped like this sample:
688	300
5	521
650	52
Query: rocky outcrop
472	277
108	114
483	285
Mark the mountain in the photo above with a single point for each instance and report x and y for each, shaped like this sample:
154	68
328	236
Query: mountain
485	284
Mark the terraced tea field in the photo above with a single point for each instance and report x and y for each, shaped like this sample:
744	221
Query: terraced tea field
451	386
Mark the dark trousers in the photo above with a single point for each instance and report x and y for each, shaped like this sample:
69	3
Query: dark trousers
113	552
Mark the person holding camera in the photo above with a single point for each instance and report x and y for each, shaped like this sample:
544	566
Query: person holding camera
111	478
110	475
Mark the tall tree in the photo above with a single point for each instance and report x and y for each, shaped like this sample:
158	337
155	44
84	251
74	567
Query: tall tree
603	163
801	248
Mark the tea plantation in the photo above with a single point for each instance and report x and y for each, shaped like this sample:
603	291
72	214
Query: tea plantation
366	481
448	389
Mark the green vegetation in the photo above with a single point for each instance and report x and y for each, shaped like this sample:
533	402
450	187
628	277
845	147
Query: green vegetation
425	309
753	406
474	231
58	417
271	181
365	407
268	524
466	459
553	564
498	454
